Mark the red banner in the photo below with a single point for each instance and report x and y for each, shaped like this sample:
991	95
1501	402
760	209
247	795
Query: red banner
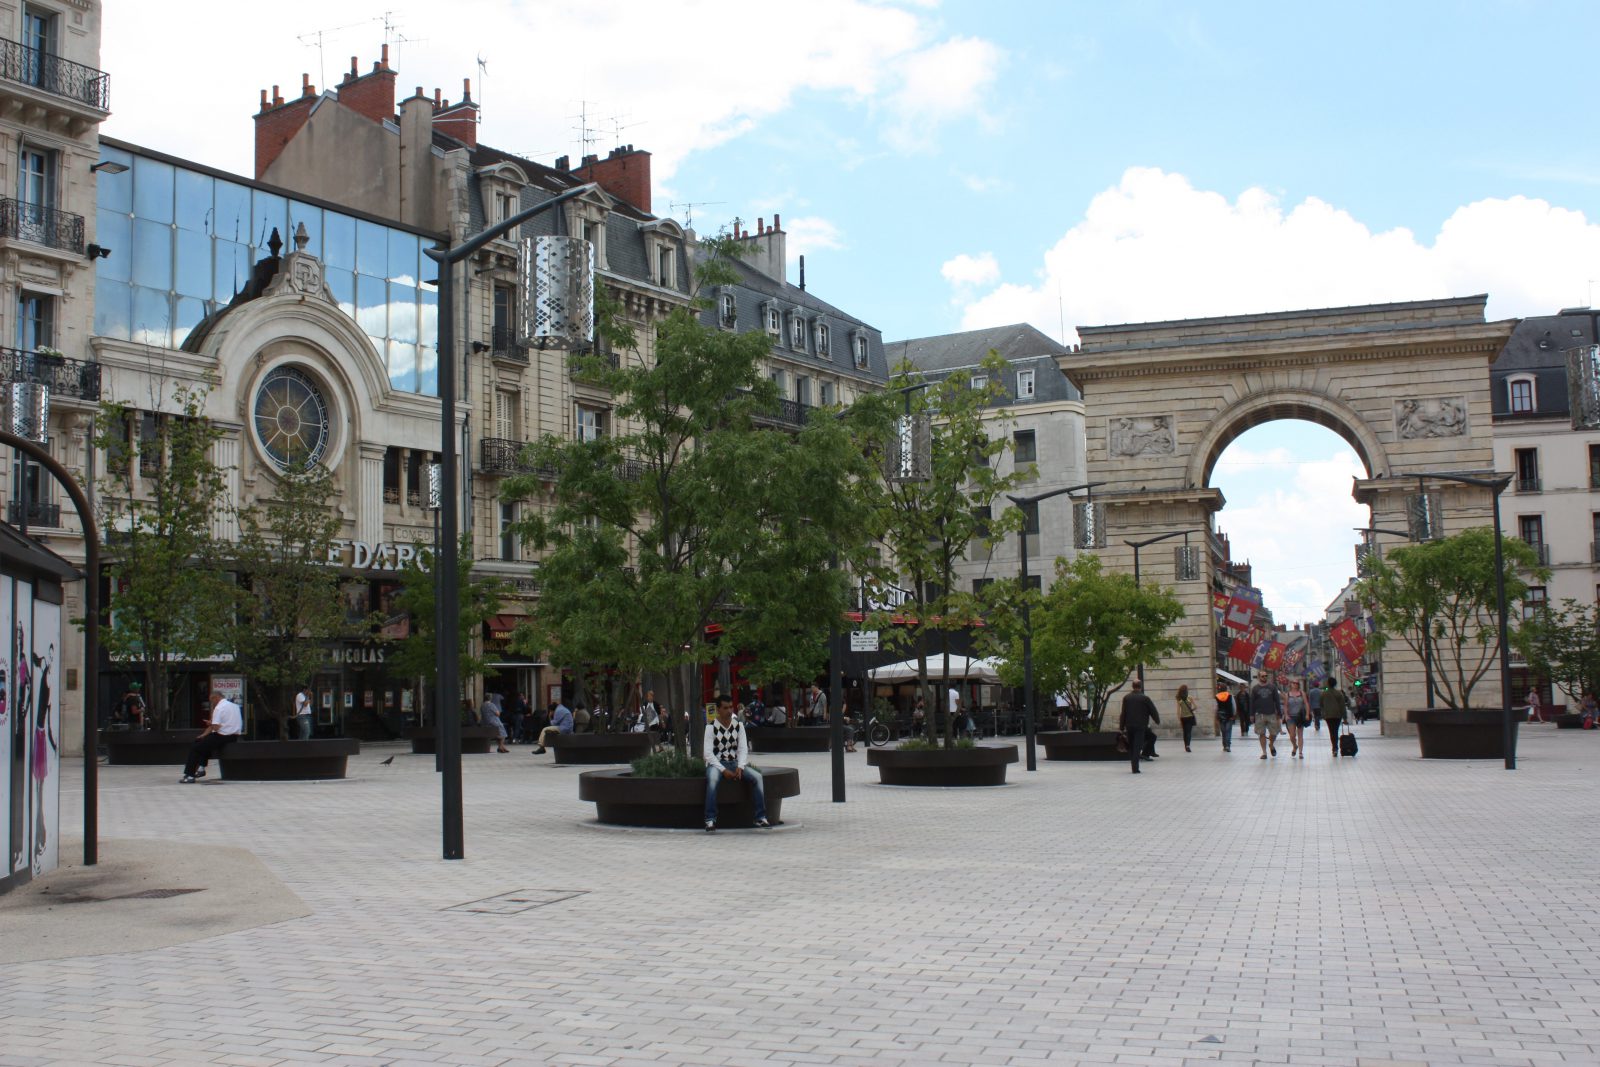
1346	637
1242	608
1219	606
1274	660
1242	650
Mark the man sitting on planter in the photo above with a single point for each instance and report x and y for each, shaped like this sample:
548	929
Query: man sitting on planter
560	723
225	726
728	756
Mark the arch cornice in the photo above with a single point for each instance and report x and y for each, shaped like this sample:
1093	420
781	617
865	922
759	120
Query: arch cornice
1284	403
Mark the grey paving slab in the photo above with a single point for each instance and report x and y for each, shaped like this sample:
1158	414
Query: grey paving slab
1214	910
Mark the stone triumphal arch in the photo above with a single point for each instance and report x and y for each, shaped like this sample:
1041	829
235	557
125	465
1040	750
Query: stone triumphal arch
1407	385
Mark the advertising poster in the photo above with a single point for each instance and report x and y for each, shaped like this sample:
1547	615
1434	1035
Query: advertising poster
44	734
19	609
12	777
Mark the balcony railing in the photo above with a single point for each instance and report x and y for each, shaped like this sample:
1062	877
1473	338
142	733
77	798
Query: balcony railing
39	513
1541	549
57	76
1528	485
1594	551
578	360
501	455
65	377
41	225
503	344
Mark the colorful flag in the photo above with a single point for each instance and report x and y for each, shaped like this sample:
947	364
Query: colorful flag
1346	637
1292	658
1242	650
1316	672
1219	606
1273	660
1242	607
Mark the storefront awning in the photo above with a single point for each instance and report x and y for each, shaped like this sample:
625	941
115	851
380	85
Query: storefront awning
1229	677
500	626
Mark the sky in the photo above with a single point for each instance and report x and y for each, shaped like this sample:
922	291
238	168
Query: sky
954	165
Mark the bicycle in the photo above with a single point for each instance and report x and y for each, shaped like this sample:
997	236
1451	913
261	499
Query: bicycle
878	733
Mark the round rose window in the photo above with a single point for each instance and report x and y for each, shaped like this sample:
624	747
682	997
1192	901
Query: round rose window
291	417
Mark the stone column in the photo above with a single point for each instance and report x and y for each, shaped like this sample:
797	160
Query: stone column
225	454
369	494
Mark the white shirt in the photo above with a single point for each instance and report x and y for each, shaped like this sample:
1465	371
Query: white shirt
955	700
226	717
302	703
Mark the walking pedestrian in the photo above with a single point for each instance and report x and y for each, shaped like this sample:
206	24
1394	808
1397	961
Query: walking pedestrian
1314	703
1185	715
1226	713
1298	715
1138	712
1241	704
1266	709
1535	706
1334	705
489	715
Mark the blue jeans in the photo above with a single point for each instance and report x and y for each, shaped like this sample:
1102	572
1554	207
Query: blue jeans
303	725
1227	733
758	791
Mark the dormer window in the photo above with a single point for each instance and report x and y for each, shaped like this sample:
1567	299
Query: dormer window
861	349
506	205
980	381
1024	384
666	266
773	319
797	331
728	308
1522	396
823	348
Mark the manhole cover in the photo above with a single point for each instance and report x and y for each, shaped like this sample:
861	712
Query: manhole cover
518	900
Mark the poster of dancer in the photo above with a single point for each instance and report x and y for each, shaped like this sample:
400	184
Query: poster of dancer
18	598
44	735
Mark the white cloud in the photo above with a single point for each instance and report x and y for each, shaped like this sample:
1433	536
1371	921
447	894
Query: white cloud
673	78
965	270
810	234
1155	247
981	184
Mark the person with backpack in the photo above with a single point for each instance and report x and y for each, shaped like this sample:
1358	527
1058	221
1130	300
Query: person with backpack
1334	704
1225	717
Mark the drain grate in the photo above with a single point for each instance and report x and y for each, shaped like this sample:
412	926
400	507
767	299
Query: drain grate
155	894
517	901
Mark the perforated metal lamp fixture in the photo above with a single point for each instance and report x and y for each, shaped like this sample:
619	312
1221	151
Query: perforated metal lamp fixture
1186	563
1583	387
1088	524
555	275
435	486
1424	517
30	411
911	449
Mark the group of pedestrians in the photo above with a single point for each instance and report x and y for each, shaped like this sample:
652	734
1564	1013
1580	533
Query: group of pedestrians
1263	707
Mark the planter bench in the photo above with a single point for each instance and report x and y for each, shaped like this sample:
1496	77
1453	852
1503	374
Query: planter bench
620	799
979	765
1472	733
789	738
148	748
1569	721
475	740
287	761
1080	746
601	748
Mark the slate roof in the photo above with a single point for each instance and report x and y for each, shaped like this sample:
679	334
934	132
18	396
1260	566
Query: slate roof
1019	344
27	555
1538	347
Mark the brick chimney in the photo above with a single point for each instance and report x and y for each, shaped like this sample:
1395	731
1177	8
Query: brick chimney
278	121
768	247
370	94
625	174
458	120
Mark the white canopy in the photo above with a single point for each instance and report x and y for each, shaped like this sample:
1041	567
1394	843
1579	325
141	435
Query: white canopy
972	669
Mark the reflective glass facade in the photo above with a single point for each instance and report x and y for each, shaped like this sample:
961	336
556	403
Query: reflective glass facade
184	242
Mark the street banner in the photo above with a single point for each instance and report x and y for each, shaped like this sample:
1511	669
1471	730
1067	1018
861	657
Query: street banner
1316	672
1292	658
1260	660
1241	650
1242	607
1219	606
1346	637
1273	660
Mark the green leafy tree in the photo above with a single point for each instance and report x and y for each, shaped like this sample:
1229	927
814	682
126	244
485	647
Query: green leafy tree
1446	588
480	598
290	611
695	512
927	527
159	502
1090	633
1563	644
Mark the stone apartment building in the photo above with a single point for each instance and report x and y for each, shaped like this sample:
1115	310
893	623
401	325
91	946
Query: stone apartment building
1046	430
53	99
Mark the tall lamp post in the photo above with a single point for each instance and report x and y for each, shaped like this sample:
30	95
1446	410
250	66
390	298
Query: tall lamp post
1427	621
1027	622
1496	486
557	310
1136	546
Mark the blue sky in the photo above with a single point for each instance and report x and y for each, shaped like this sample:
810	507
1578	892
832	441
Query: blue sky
961	164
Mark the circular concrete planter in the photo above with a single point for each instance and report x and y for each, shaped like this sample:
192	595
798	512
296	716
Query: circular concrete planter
1079	746
601	748
980	765
1472	733
148	748
789	738
287	761
620	799
475	740
1570	721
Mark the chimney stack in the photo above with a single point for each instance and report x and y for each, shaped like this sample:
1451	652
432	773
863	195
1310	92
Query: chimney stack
460	120
370	95
625	174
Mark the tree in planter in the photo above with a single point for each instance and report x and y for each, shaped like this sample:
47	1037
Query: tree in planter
1446	587
416	656
929	526
162	494
1090	633
690	514
290	611
1563	644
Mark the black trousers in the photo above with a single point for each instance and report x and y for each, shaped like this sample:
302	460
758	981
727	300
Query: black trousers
1149	744
1333	734
1188	731
1136	739
201	752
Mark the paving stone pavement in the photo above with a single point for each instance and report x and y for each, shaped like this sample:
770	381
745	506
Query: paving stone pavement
1218	909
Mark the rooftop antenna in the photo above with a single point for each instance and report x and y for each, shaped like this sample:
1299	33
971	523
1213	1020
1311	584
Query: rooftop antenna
314	39
586	136
483	78
689	206
392	34
1061	309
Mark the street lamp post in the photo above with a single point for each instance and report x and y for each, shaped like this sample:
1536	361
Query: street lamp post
1427	621
1496	486
1136	546
448	624
1027	621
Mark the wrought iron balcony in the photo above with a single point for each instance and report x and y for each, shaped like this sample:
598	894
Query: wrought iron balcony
65	377
39	513
1541	549
1528	485
54	75
504	344
41	225
788	413
577	361
502	455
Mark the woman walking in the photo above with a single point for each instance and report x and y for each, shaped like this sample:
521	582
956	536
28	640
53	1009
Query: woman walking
1298	713
1186	715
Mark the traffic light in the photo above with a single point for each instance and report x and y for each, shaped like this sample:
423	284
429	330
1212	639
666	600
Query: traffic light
1358	683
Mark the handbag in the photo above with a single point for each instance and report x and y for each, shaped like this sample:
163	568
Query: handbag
1122	743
